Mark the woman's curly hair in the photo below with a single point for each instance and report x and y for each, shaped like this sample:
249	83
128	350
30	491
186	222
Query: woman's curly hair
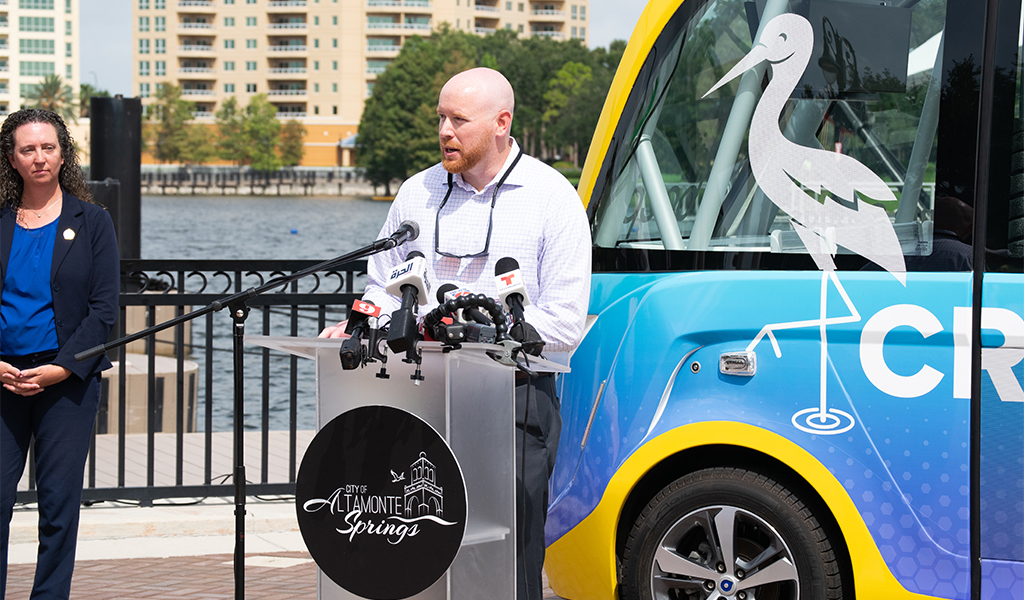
71	178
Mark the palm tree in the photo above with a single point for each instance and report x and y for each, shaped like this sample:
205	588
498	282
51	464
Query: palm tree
85	93
53	95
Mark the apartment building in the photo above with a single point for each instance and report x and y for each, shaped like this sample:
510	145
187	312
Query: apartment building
37	38
316	60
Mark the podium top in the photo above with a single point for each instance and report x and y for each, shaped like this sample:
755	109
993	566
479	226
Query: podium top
307	348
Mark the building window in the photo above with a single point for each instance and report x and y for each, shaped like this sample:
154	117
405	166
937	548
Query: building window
316	110
250	65
229	1
334	43
520	28
44	24
508	6
229	21
583	13
250	87
334	65
144	68
159	4
161	46
250	21
574	33
316	43
35	69
67	49
316	65
229	88
143	46
229	44
160	24
334	110
316	88
573	12
160	68
144	90
67	6
583	32
143	24
229	65
35	46
334	20
143	4
316	20
67	27
334	88
520	7
250	43
67	71
508	26
250	1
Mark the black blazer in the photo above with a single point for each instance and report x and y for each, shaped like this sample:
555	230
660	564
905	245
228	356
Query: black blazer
84	278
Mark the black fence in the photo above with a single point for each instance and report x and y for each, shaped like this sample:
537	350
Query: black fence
205	181
164	428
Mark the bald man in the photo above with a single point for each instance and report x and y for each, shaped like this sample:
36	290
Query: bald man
484	201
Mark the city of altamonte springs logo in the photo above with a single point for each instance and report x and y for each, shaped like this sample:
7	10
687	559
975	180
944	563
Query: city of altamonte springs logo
381	503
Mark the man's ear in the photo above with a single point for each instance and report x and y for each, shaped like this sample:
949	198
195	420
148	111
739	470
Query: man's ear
504	123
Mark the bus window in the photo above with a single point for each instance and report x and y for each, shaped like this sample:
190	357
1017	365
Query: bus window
683	175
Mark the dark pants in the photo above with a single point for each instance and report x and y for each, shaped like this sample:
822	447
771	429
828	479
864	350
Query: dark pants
60	418
538	425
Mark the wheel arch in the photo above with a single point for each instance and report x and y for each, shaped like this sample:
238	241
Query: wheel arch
684	449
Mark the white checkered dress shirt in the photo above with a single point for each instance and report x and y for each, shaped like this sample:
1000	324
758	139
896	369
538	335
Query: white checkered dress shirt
539	220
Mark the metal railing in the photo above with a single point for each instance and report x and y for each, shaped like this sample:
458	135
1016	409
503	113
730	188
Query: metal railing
165	436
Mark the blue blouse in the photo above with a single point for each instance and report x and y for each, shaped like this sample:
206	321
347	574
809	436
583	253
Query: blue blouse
26	308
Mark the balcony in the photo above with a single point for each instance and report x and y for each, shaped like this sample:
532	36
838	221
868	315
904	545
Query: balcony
195	26
202	114
288	93
486	8
200	72
547	12
555	35
194	4
287	71
484	30
278	4
197	48
375	70
198	93
288	26
4	69
290	115
285	49
397	4
384	49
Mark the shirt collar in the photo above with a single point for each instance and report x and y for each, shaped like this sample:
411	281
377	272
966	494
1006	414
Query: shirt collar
513	153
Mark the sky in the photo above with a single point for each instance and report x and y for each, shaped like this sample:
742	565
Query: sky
107	37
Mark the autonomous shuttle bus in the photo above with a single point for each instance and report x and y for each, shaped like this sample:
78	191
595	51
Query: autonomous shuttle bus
802	376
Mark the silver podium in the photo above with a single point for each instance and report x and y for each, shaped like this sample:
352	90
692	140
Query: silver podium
468	398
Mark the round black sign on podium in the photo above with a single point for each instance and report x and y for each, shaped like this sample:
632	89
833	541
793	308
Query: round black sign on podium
381	503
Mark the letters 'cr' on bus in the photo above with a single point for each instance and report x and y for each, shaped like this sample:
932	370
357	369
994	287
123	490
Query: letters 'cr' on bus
802	376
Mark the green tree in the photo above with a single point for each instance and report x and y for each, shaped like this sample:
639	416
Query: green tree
199	146
170	115
86	92
569	93
232	144
263	133
53	95
293	136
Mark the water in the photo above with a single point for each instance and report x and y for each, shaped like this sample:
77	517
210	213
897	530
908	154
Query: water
257	228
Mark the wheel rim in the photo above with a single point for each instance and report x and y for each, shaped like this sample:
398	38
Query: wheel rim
723	553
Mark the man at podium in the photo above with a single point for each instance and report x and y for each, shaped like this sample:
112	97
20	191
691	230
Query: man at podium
484	202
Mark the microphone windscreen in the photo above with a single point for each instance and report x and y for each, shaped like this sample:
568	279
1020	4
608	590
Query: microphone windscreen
414	254
444	289
504	265
414	229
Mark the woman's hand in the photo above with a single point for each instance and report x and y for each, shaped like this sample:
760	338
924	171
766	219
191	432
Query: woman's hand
30	382
335	331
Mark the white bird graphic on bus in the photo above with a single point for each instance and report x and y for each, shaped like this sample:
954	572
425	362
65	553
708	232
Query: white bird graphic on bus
784	170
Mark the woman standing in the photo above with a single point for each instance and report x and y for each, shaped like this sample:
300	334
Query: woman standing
58	296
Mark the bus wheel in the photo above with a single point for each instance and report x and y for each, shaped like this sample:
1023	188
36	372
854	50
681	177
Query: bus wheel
729	534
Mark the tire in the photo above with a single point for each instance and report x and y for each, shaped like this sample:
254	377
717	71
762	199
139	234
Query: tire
779	550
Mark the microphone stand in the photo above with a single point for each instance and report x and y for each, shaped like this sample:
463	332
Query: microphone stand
239	312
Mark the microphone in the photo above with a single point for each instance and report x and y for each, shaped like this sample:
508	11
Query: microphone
408	280
406	232
352	352
450	292
511	289
512	292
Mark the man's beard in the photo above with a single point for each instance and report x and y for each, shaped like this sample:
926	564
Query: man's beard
469	158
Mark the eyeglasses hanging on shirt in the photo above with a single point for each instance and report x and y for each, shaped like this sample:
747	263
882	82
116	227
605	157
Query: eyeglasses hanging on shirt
490	218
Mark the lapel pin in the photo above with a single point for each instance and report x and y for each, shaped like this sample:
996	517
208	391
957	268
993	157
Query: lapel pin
69	234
